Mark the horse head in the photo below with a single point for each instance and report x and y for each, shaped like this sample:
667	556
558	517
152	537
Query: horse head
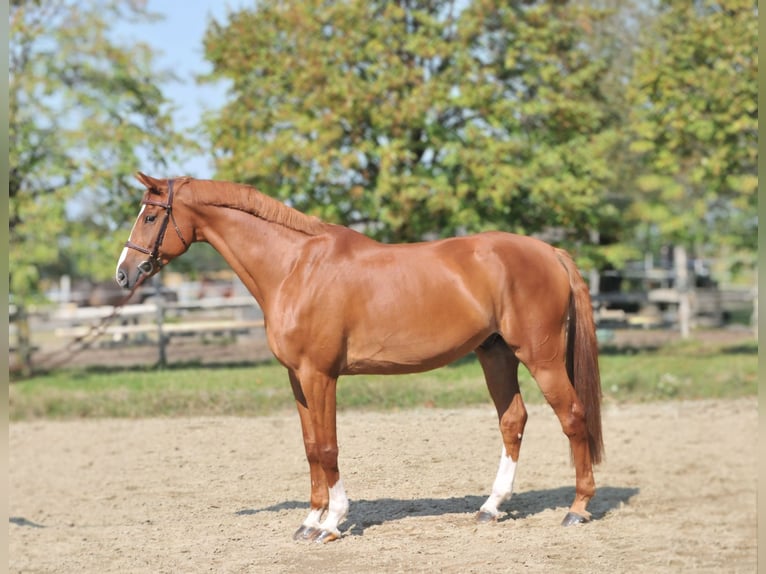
149	247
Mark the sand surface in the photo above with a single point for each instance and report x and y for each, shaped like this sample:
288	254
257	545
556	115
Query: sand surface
677	493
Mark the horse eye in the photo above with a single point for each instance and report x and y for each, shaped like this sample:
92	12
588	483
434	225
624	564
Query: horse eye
150	218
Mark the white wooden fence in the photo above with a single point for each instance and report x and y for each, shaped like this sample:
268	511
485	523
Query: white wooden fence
41	334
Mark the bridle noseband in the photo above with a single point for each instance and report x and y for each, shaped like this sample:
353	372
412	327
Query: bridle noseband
154	263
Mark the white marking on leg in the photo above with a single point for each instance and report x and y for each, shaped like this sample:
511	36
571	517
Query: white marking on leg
502	488
314	518
337	510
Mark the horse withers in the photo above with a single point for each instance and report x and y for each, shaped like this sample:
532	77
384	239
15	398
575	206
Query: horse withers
336	302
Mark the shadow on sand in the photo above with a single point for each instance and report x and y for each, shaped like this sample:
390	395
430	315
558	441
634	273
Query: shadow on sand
366	513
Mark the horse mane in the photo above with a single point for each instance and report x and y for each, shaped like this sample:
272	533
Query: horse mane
249	200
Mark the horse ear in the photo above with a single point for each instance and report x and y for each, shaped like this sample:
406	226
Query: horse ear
151	183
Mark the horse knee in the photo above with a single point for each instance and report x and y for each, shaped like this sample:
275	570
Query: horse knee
513	421
325	456
512	425
312	451
328	457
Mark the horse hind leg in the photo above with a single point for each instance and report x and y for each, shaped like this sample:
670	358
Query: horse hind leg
500	367
560	394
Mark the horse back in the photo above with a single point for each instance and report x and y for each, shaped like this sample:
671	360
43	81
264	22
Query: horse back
372	307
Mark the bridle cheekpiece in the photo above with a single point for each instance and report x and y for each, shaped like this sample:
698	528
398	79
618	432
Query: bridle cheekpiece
154	263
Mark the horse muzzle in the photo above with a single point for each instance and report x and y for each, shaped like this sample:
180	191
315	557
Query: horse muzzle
127	279
122	279
148	267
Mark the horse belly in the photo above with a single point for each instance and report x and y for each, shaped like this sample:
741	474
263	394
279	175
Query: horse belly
408	340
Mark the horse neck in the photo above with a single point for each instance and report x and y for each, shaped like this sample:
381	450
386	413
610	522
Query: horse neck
260	251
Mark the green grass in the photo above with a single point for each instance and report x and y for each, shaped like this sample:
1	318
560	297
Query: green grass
679	371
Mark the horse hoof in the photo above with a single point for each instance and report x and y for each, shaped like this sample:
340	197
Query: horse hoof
306	533
325	536
482	517
574	518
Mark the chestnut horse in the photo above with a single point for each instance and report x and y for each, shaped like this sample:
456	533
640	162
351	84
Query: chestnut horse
336	302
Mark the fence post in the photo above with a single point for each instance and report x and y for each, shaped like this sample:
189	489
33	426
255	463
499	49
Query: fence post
161	341
754	316
23	341
682	288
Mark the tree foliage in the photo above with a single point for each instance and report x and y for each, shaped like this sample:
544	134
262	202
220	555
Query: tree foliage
694	120
408	118
420	117
85	111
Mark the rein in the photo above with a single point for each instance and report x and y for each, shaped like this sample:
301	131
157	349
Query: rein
51	360
154	263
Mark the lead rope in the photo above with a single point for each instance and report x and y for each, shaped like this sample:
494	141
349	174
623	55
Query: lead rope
50	360
87	338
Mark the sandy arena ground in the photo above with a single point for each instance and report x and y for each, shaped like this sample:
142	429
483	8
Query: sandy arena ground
677	493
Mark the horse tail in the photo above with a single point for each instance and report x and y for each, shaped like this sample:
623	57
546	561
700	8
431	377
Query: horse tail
582	355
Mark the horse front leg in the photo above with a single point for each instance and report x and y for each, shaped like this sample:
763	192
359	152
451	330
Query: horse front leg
319	394
310	528
500	368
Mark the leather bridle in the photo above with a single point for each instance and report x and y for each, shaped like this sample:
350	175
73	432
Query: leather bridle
154	263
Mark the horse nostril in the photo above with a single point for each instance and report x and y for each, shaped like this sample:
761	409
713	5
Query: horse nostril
122	278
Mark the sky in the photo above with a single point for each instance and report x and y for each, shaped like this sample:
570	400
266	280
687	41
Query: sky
177	41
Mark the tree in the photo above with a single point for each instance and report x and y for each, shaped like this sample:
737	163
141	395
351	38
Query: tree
84	111
694	123
694	126
417	118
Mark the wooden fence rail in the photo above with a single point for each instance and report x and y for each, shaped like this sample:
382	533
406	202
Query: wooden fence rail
36	337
